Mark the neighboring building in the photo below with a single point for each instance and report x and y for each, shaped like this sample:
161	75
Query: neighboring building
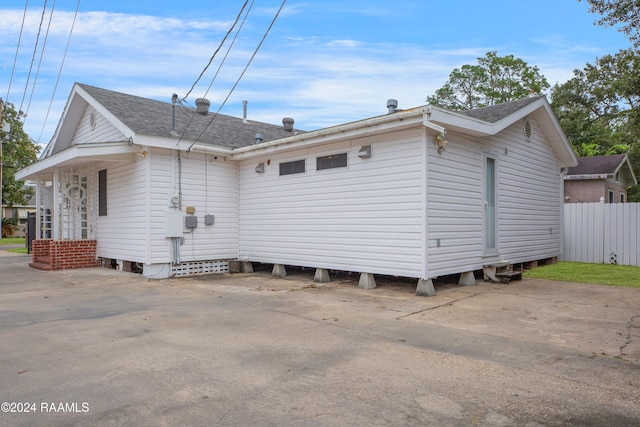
20	214
599	178
417	193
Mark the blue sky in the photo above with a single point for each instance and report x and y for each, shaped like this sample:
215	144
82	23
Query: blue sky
323	63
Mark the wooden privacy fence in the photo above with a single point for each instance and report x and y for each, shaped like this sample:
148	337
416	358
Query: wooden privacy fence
602	233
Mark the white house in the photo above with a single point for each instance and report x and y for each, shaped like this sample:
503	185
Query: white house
416	193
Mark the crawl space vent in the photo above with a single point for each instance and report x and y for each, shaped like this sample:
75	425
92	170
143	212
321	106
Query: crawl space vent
527	129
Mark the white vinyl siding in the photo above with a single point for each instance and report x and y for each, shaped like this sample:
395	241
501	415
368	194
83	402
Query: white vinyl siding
122	233
366	217
528	200
454	206
104	131
211	188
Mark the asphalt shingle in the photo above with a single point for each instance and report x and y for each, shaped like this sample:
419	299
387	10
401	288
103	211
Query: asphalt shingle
150	117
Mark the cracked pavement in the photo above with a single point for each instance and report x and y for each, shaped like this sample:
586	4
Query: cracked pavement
249	349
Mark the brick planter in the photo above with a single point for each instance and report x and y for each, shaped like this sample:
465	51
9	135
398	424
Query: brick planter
63	254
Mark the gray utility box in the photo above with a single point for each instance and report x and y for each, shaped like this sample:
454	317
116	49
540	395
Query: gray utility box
191	221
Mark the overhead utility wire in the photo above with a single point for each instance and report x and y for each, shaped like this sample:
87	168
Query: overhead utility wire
15	60
193	115
64	56
226	55
44	46
255	52
35	51
217	50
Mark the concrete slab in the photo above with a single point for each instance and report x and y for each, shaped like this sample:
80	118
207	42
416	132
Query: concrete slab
250	349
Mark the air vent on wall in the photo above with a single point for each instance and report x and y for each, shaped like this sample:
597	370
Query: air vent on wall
92	120
527	129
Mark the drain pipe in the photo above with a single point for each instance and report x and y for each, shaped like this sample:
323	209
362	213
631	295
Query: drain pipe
563	173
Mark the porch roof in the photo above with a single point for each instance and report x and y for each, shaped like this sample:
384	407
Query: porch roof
79	155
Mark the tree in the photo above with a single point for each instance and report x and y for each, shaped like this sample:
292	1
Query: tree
599	108
496	79
18	151
614	12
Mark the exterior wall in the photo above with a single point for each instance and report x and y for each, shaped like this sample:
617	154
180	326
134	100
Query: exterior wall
591	190
579	191
63	254
123	234
103	131
208	185
367	217
528	201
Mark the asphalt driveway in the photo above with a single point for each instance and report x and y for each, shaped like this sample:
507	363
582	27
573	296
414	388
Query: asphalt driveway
101	347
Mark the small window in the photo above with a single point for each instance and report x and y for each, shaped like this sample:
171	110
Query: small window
332	161
102	192
621	197
290	168
611	196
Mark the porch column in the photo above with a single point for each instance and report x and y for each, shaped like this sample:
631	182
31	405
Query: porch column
56	223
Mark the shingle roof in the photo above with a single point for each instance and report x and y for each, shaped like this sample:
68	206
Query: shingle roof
150	117
597	165
494	113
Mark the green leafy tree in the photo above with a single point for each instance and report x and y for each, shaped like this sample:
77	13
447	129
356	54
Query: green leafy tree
18	151
599	108
494	80
615	12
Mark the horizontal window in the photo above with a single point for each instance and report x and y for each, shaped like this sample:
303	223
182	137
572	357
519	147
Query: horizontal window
332	161
289	168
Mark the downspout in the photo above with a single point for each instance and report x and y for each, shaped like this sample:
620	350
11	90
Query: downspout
563	173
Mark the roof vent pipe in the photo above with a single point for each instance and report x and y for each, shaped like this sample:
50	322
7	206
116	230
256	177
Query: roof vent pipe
288	122
259	138
392	105
244	111
202	106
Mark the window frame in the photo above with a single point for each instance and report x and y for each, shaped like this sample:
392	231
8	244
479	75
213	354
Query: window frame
332	161
102	192
293	164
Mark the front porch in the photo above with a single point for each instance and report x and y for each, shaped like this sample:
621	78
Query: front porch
64	235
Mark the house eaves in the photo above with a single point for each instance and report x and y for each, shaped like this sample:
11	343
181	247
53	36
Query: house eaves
78	155
626	163
467	124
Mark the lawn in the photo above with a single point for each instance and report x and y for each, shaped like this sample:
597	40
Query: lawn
599	274
12	241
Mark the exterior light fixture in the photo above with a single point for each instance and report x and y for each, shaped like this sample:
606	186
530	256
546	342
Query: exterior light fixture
441	142
365	152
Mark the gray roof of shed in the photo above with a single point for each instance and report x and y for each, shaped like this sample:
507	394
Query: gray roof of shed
150	117
494	113
597	165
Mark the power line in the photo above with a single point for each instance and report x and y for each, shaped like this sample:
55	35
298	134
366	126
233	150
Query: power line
255	52
35	51
15	60
44	46
244	20
217	50
64	56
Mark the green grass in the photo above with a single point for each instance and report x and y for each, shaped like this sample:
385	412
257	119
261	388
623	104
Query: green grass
18	250
12	241
599	274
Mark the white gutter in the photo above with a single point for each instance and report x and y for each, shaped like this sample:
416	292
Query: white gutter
321	135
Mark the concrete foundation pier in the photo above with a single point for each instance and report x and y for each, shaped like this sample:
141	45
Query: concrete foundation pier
425	288
278	271
467	279
367	281
246	267
321	276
